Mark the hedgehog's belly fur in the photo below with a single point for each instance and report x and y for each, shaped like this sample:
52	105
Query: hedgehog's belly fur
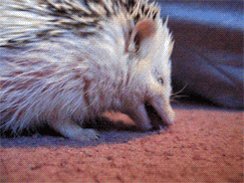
37	92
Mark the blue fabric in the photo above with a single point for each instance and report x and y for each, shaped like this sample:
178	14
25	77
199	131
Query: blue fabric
208	54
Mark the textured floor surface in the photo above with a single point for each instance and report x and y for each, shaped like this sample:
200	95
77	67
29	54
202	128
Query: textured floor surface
204	145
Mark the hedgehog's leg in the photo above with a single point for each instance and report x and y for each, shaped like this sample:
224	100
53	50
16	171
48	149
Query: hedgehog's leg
70	129
139	115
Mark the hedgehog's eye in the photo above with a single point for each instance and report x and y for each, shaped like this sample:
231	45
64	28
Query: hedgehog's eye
161	80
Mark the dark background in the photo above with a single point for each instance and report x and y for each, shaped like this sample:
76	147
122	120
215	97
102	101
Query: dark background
208	54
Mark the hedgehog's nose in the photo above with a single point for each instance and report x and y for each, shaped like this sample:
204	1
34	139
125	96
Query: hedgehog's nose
171	115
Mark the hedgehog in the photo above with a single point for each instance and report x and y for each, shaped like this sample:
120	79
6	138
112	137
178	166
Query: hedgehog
65	62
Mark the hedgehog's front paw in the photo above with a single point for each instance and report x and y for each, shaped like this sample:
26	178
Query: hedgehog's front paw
73	131
83	135
86	135
144	126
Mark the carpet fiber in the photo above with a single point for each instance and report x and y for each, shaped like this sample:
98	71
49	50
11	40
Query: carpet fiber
204	145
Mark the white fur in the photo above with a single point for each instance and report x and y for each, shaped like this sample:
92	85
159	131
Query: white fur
67	79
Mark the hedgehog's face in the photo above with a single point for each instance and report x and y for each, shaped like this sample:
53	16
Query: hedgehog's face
150	87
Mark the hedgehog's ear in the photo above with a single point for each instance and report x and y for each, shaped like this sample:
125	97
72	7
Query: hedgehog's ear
141	37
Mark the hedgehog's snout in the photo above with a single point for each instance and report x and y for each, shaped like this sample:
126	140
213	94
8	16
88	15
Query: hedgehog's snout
152	115
159	115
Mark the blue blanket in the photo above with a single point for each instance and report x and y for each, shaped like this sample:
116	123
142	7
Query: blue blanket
208	54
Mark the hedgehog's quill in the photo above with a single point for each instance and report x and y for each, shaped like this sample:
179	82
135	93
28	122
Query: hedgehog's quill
65	61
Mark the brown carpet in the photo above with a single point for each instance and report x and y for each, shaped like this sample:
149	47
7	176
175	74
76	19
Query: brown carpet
204	145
